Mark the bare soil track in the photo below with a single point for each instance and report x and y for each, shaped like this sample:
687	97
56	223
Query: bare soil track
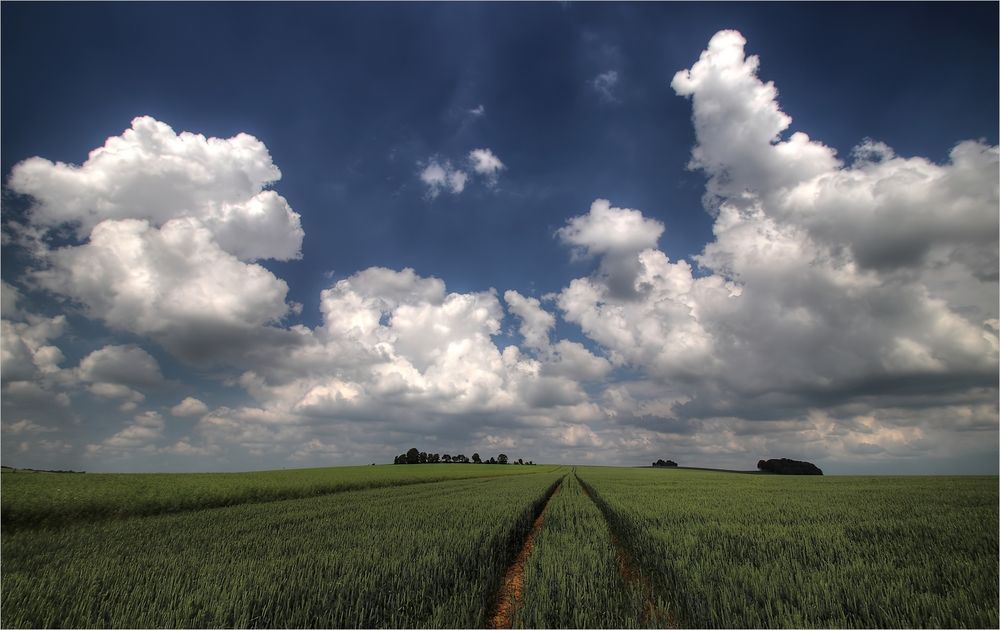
509	596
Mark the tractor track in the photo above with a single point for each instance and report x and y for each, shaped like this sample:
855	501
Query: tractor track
508	598
652	615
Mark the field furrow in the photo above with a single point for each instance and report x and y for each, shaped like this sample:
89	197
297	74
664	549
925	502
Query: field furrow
508	598
653	615
572	578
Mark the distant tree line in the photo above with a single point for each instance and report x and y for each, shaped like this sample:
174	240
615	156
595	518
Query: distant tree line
413	456
40	470
660	463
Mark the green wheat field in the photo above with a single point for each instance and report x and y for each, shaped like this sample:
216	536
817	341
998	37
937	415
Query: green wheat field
436	546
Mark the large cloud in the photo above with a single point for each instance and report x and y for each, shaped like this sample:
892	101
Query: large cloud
173	283
392	338
398	357
169	224
889	211
738	123
826	282
150	172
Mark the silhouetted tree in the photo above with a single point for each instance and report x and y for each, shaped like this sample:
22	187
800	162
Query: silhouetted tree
413	456
786	466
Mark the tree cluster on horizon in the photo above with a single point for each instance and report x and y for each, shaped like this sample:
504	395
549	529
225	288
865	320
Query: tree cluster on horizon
785	466
413	456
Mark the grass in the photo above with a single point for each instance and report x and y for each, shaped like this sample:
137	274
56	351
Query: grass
429	555
53	499
773	551
572	578
418	546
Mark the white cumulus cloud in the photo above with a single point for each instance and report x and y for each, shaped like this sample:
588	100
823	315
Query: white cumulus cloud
151	173
486	163
125	365
440	177
807	301
168	225
189	407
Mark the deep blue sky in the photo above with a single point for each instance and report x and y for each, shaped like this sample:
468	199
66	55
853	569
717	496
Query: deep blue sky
347	97
353	99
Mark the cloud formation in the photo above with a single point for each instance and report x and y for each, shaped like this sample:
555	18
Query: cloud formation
442	177
843	309
189	407
168	226
604	84
152	174
122	365
801	308
486	163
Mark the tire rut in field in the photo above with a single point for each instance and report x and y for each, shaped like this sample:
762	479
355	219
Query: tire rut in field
652	615
509	596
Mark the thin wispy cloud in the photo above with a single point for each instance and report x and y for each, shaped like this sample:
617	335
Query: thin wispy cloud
605	84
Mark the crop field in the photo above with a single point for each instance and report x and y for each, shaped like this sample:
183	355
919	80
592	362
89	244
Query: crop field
419	555
572	577
772	551
498	546
40	498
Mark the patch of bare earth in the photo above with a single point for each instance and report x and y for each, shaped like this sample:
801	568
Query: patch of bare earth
512	587
652	615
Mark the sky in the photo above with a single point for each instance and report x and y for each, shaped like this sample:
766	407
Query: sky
252	236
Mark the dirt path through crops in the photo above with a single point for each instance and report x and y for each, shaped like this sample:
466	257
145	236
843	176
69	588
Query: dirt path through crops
652	615
509	596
